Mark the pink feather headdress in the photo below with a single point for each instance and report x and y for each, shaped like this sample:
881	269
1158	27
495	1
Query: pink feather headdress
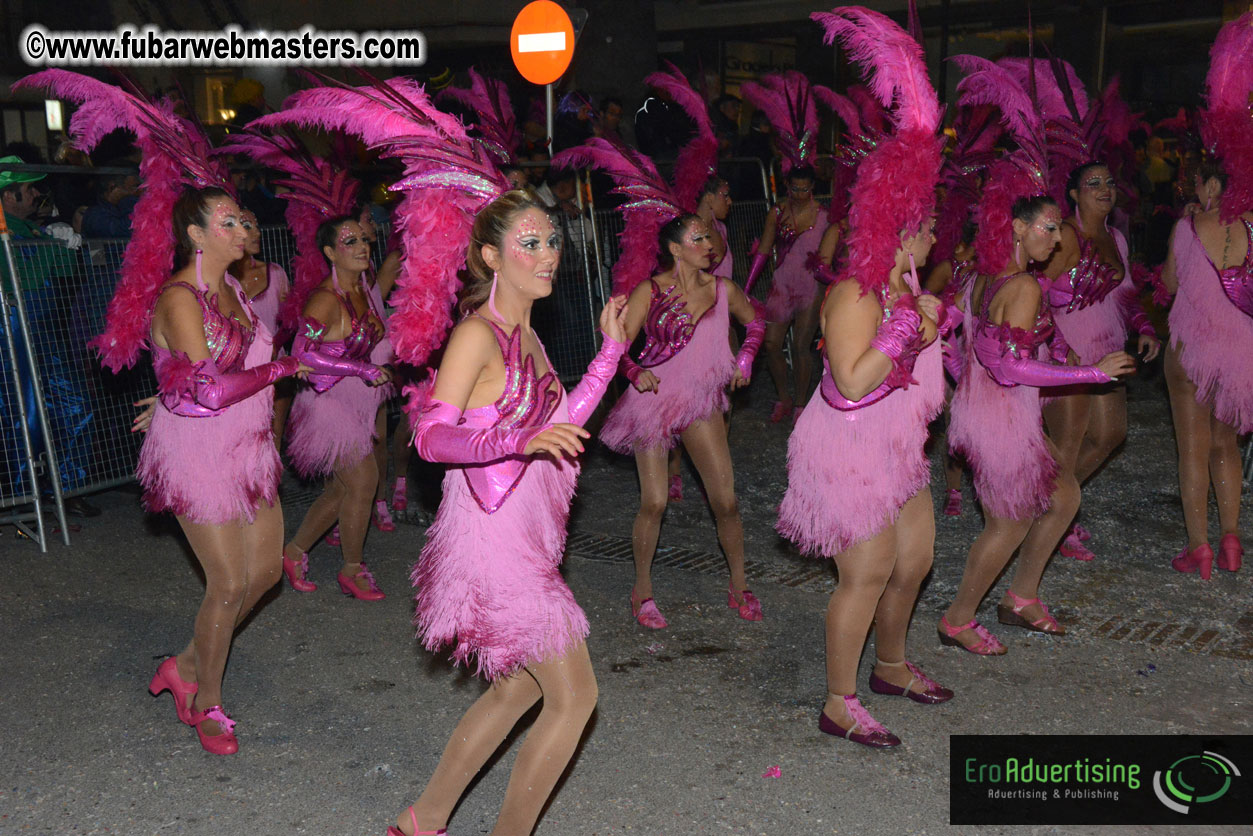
895	185
651	201
175	154
317	191
1021	173
448	178
790	103
1226	121
976	131
494	117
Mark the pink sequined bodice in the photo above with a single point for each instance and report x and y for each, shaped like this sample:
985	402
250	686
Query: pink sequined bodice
785	234
1237	280
364	332
228	338
1087	283
668	327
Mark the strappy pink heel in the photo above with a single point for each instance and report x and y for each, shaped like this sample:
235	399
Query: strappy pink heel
1072	546
1012	615
1200	559
332	539
348	587
167	679
413	817
932	693
988	644
647	614
297	573
675	493
216	744
747	603
400	494
382	517
953	507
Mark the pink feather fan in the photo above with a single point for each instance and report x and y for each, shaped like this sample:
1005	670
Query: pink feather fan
175	155
317	191
895	185
1226	123
448	178
494	117
698	159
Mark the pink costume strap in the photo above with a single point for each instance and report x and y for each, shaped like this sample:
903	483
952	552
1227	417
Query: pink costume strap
1090	280
668	327
1237	280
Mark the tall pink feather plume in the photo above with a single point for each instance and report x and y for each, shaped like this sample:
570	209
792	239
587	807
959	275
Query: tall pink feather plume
650	204
315	192
174	155
1225	123
874	117
448	179
892	62
1049	94
987	83
895	186
841	106
697	161
788	102
489	99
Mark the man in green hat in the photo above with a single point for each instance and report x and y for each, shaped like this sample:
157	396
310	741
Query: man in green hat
19	199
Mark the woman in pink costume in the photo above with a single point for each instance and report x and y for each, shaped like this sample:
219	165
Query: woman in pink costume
1210	267
857	475
679	392
266	286
209	454
793	230
487	580
340	337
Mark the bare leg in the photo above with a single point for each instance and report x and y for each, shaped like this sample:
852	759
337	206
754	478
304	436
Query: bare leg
915	549
1107	430
1067	422
802	347
776	332
864	573
321	515
1227	473
359	483
1046	532
1194	445
674	462
988	557
651	465
241	563
706	443
284	390
380	451
402	449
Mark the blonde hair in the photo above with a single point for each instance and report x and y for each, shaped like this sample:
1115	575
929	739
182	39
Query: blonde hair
490	226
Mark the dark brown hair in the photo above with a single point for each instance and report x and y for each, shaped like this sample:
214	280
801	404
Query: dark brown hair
672	233
192	209
490	226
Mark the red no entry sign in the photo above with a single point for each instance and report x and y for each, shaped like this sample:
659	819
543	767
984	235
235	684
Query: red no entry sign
542	42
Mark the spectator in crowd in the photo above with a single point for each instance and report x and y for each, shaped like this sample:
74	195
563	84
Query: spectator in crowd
609	121
248	99
726	120
116	195
574	121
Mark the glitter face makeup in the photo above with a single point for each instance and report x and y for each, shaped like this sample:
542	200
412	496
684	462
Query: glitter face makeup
225	229
1043	234
696	246
252	244
352	248
531	249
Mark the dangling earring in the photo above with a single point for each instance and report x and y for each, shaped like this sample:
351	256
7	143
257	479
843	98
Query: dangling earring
1018	252
913	274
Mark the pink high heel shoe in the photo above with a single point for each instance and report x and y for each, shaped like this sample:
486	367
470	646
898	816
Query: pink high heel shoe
953	508
865	730
647	614
298	573
988	644
413	817
332	539
1011	614
216	744
1200	559
1082	533
676	488
348	586
1073	547
167	679
400	495
747	603
382	517
1230	553
779	412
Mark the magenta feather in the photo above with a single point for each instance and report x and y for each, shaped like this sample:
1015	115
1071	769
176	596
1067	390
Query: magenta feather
697	161
787	100
841	106
448	179
494	116
892	62
1226	124
175	155
1049	89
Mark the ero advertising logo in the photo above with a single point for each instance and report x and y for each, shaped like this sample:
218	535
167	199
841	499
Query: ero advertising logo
1194	779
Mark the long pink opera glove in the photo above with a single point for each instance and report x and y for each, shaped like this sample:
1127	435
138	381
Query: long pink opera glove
900	339
314	354
1008	369
754	271
951	358
1141	325
583	399
755	333
822	272
948	317
1059	349
206	390
439	437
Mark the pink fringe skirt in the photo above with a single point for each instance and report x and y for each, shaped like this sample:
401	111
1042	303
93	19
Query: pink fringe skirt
332	429
489	585
1098	329
849	473
1213	337
793	287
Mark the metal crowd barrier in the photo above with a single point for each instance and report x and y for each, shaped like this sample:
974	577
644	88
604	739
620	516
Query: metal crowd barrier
65	421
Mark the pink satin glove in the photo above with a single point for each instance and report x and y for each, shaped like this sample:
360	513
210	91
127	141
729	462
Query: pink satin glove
629	368
1059	349
1026	371
439	437
1141	325
755	333
952	359
754	271
206	391
900	339
950	316
328	368
822	273
587	394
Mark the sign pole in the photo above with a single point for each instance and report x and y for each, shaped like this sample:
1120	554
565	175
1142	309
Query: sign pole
548	97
